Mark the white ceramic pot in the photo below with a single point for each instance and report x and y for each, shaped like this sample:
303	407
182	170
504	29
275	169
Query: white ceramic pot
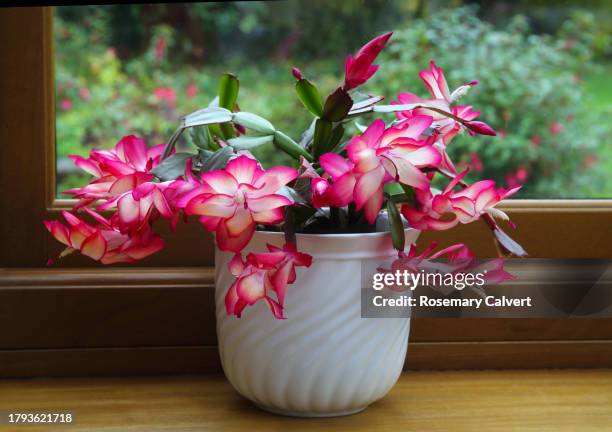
324	359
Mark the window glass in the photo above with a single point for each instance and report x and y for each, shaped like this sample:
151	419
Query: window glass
543	68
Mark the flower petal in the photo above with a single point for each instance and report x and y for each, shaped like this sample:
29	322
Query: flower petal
269	217
342	191
267	202
277	310
373	205
409	174
231	243
367	185
334	164
221	182
273	179
222	206
239	222
236	265
94	246
86	165
243	169
250	288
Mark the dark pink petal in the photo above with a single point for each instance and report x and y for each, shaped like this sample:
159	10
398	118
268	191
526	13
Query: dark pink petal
86	165
334	164
210	223
297	74
342	190
135	151
480	128
374	133
99	218
277	310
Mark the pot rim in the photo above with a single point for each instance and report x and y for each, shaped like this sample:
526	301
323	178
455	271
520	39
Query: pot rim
342	247
337	236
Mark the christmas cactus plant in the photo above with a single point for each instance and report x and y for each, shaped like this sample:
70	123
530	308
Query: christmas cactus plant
381	176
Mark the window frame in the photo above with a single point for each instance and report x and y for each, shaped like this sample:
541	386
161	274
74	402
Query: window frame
33	343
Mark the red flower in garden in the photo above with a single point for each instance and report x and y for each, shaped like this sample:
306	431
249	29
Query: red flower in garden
66	104
192	90
160	48
555	128
84	93
167	95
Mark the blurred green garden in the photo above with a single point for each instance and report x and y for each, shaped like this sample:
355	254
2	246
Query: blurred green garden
544	68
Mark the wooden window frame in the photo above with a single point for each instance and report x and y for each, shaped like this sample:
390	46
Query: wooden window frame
79	318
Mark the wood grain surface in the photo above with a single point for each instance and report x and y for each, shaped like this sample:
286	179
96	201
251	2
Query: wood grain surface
498	401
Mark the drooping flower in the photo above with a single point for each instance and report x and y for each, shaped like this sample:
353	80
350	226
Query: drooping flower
261	274
116	171
442	99
359	69
104	242
140	206
233	201
379	156
454	259
448	208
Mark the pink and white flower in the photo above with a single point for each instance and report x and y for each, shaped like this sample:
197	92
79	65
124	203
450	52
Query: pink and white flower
457	258
262	273
448	208
442	99
104	242
233	201
379	156
117	170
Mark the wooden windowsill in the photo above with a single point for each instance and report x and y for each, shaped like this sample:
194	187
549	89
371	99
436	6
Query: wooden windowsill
545	400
